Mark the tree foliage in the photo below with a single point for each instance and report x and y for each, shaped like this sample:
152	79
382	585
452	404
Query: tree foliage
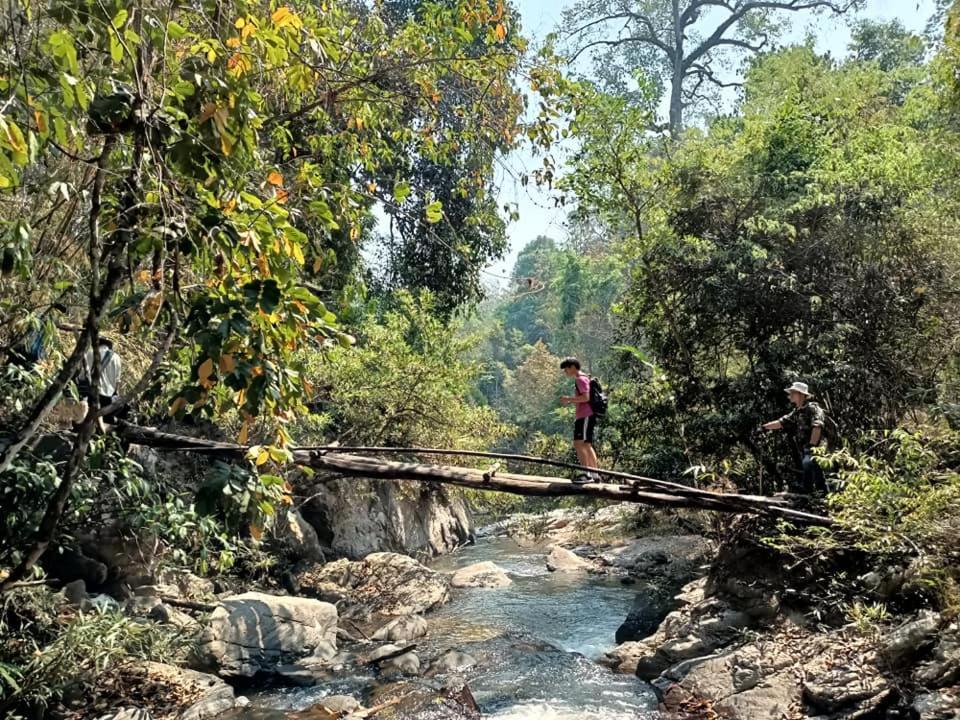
808	238
686	47
186	174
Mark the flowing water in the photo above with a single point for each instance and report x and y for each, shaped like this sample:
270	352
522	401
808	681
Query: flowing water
536	641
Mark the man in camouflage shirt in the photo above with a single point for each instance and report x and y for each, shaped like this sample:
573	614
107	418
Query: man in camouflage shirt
805	423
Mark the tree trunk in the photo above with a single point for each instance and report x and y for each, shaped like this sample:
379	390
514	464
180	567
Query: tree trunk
676	81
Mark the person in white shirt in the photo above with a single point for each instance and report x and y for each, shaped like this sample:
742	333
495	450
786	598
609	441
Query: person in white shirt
110	368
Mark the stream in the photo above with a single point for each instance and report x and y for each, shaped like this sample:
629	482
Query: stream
535	640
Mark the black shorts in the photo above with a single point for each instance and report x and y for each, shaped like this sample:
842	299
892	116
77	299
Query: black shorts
583	428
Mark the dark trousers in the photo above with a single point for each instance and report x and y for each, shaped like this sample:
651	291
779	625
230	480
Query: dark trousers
812	478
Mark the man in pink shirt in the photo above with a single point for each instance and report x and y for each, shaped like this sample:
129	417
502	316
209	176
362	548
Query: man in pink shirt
585	419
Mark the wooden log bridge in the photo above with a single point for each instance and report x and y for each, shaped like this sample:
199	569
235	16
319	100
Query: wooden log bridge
618	487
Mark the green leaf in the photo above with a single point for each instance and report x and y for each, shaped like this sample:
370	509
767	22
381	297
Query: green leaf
116	49
120	19
401	191
176	31
435	212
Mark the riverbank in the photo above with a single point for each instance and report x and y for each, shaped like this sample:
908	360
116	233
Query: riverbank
568	614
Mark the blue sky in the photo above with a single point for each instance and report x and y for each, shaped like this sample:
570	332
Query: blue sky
538	216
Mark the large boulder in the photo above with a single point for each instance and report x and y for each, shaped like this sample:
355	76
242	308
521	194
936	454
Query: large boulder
562	560
480	575
379	586
357	517
253	632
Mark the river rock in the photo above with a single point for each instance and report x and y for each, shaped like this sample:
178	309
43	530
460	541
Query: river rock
943	667
357	517
450	662
127	714
485	574
205	696
563	560
339	704
905	642
380	585
382	652
253	632
406	664
402	629
423	702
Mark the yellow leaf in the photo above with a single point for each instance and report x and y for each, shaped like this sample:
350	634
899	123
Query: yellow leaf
211	55
244	432
263	266
205	371
282	17
501	31
275	179
238	64
207	112
263	457
227	364
226	144
233	42
41	121
240	23
177	405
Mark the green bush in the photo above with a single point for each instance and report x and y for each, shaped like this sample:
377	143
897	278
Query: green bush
51	649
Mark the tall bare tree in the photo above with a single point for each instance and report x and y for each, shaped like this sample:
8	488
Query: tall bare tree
681	44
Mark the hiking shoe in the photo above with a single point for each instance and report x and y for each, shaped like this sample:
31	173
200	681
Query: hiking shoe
582	479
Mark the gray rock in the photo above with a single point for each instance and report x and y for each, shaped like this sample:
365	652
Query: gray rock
938	705
75	592
452	661
562	560
216	697
157	590
127	714
406	664
169	616
357	517
141	606
480	575
904	643
841	688
943	667
253	632
402	629
339	704
188	585
381	652
382	584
